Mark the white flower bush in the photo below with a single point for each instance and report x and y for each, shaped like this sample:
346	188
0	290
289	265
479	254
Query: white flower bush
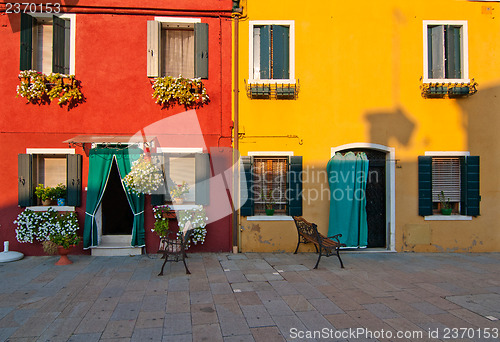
43	225
198	218
143	178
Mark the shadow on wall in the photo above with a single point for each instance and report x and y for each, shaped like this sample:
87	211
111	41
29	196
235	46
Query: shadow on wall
386	125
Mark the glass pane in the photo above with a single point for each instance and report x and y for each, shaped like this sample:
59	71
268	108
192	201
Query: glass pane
270	185
183	169
52	171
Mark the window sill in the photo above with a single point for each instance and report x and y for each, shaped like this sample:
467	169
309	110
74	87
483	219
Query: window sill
448	218
55	207
269	218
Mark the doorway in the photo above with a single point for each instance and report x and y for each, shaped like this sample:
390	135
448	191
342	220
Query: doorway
117	217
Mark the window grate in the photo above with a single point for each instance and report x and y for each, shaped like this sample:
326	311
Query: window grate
270	184
446	177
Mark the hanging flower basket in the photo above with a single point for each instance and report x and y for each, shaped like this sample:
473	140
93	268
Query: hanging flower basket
168	91
143	178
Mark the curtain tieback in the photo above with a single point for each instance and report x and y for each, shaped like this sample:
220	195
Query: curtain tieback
91	215
139	213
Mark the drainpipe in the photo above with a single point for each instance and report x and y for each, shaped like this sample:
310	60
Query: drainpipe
236	186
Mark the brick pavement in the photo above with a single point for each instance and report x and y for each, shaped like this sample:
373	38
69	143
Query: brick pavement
252	297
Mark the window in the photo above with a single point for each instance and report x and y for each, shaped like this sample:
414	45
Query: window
177	47
455	175
49	167
445	51
272	50
274	181
177	167
47	43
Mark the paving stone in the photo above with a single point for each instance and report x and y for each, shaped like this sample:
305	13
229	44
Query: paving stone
233	326
201	297
126	311
427	308
298	303
248	298
381	311
203	314
154	303
277	308
325	306
151	334
286	323
119	329
150	319
267	334
314	321
179	338
177	324
220	288
85	337
35	325
257	316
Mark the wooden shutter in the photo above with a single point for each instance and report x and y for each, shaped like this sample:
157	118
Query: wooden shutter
294	176
158	197
453	52
153	61
246	182
281	52
201	50
471	188
58	44
74	179
424	185
25	192
202	177
265	52
435	53
26	53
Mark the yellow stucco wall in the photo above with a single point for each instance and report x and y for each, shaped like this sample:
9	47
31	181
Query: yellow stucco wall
359	66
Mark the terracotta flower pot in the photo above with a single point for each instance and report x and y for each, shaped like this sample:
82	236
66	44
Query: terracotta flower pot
63	260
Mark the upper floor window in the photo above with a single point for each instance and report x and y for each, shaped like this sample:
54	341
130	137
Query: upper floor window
272	50
177	46
47	43
445	51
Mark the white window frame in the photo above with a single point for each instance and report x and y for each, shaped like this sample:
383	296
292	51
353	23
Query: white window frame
438	217
72	34
289	23
465	51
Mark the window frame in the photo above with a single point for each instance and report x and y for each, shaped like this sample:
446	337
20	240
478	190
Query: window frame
464	53
291	65
454	217
72	36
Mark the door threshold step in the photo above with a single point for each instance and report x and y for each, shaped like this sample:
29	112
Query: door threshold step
109	249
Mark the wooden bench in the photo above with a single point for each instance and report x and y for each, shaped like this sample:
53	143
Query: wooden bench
328	245
175	247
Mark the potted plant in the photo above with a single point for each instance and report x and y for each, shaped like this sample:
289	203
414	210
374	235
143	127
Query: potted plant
143	178
198	218
177	192
169	90
161	220
445	204
45	194
269	203
60	194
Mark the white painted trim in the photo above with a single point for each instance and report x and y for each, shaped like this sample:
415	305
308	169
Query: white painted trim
178	20
269	218
390	181
271	153
50	151
447	218
465	51
447	153
180	150
55	207
291	76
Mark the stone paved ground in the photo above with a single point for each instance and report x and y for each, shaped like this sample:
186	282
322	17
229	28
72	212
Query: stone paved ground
253	297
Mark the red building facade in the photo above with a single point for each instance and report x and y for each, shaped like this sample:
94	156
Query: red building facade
115	51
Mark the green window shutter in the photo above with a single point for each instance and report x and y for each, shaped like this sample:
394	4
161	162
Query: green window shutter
157	199
26	42
58	45
424	185
74	179
471	190
26	181
294	179
453	52
153	58
265	52
202	178
281	52
246	182
435	53
201	50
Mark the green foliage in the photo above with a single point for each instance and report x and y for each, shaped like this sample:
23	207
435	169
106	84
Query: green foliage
169	90
445	204
161	223
50	193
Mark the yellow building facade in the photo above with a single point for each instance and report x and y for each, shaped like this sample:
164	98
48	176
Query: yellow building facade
395	80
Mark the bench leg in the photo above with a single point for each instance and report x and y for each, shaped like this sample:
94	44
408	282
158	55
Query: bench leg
184	261
162	266
319	257
296	249
338	256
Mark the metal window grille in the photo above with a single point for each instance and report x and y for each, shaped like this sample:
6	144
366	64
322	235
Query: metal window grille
446	177
270	184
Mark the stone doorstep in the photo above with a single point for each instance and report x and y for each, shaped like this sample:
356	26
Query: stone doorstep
115	245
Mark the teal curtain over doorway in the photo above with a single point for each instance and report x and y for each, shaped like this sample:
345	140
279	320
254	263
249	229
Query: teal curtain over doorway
100	161
347	177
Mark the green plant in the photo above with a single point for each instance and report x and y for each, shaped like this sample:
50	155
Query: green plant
161	222
60	191
143	178
268	199
45	193
198	218
169	90
445	204
178	190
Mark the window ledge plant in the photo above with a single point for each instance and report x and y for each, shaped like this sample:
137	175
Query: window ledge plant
168	91
38	88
